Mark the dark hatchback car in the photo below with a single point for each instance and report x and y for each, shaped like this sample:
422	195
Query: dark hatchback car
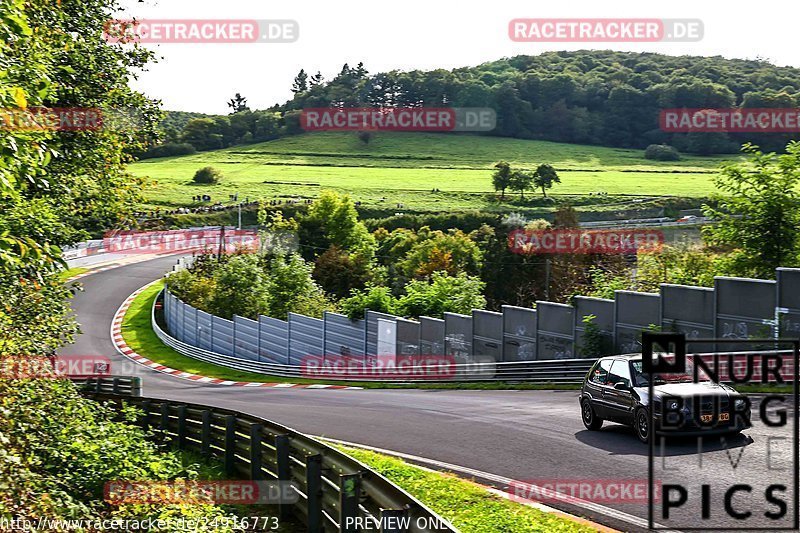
616	389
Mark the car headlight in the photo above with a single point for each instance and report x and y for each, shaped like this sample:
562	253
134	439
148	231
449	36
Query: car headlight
739	403
672	405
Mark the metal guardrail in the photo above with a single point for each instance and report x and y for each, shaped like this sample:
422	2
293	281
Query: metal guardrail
561	371
125	385
335	492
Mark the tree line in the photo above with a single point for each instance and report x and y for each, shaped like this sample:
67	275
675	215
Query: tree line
598	97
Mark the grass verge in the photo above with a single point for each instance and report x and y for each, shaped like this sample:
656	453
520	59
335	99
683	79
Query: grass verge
72	272
467	505
139	335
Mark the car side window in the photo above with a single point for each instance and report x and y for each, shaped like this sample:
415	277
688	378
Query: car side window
600	373
620	373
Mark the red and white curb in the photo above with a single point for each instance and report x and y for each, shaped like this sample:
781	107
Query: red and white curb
126	351
94	271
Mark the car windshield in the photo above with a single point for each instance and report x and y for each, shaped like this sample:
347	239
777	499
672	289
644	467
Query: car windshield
641	379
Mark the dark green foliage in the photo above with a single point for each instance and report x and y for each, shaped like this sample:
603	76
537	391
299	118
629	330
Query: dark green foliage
589	96
372	298
465	221
169	150
238	103
59	450
502	178
207	176
661	152
758	212
544	178
593	342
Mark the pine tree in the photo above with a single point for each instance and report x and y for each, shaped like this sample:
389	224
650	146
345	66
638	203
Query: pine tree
300	84
238	103
316	79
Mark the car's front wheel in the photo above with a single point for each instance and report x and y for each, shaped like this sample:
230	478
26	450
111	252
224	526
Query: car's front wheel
590	418
642	425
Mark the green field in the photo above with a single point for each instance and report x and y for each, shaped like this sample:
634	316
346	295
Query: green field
404	168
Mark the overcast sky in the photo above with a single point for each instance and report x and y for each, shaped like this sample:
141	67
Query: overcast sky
418	34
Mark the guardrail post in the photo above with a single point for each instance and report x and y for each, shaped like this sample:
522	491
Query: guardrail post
395	521
255	452
146	418
136	387
314	492
284	472
349	494
115	385
205	434
181	426
164	425
230	445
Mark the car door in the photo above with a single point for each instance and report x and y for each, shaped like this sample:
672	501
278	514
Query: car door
596	385
619	404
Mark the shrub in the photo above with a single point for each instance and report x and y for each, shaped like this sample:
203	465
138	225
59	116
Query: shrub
207	175
443	294
60	449
661	152
372	298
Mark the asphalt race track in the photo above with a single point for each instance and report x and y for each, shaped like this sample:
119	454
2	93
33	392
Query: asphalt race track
532	436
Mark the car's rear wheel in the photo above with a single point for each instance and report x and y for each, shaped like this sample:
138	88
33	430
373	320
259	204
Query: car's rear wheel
642	425
590	418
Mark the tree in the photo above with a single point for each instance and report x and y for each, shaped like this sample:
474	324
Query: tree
544	178
442	294
202	134
300	84
240	288
521	180
452	252
757	213
501	178
371	298
238	103
339	272
333	219
317	79
292	288
58	187
207	176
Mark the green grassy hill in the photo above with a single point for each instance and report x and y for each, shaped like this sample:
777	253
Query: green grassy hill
405	167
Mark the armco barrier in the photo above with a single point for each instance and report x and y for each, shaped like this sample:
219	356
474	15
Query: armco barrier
334	490
128	386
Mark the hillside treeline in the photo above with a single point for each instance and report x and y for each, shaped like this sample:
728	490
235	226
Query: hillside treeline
590	97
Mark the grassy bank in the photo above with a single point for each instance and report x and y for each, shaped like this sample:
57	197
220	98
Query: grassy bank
467	505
